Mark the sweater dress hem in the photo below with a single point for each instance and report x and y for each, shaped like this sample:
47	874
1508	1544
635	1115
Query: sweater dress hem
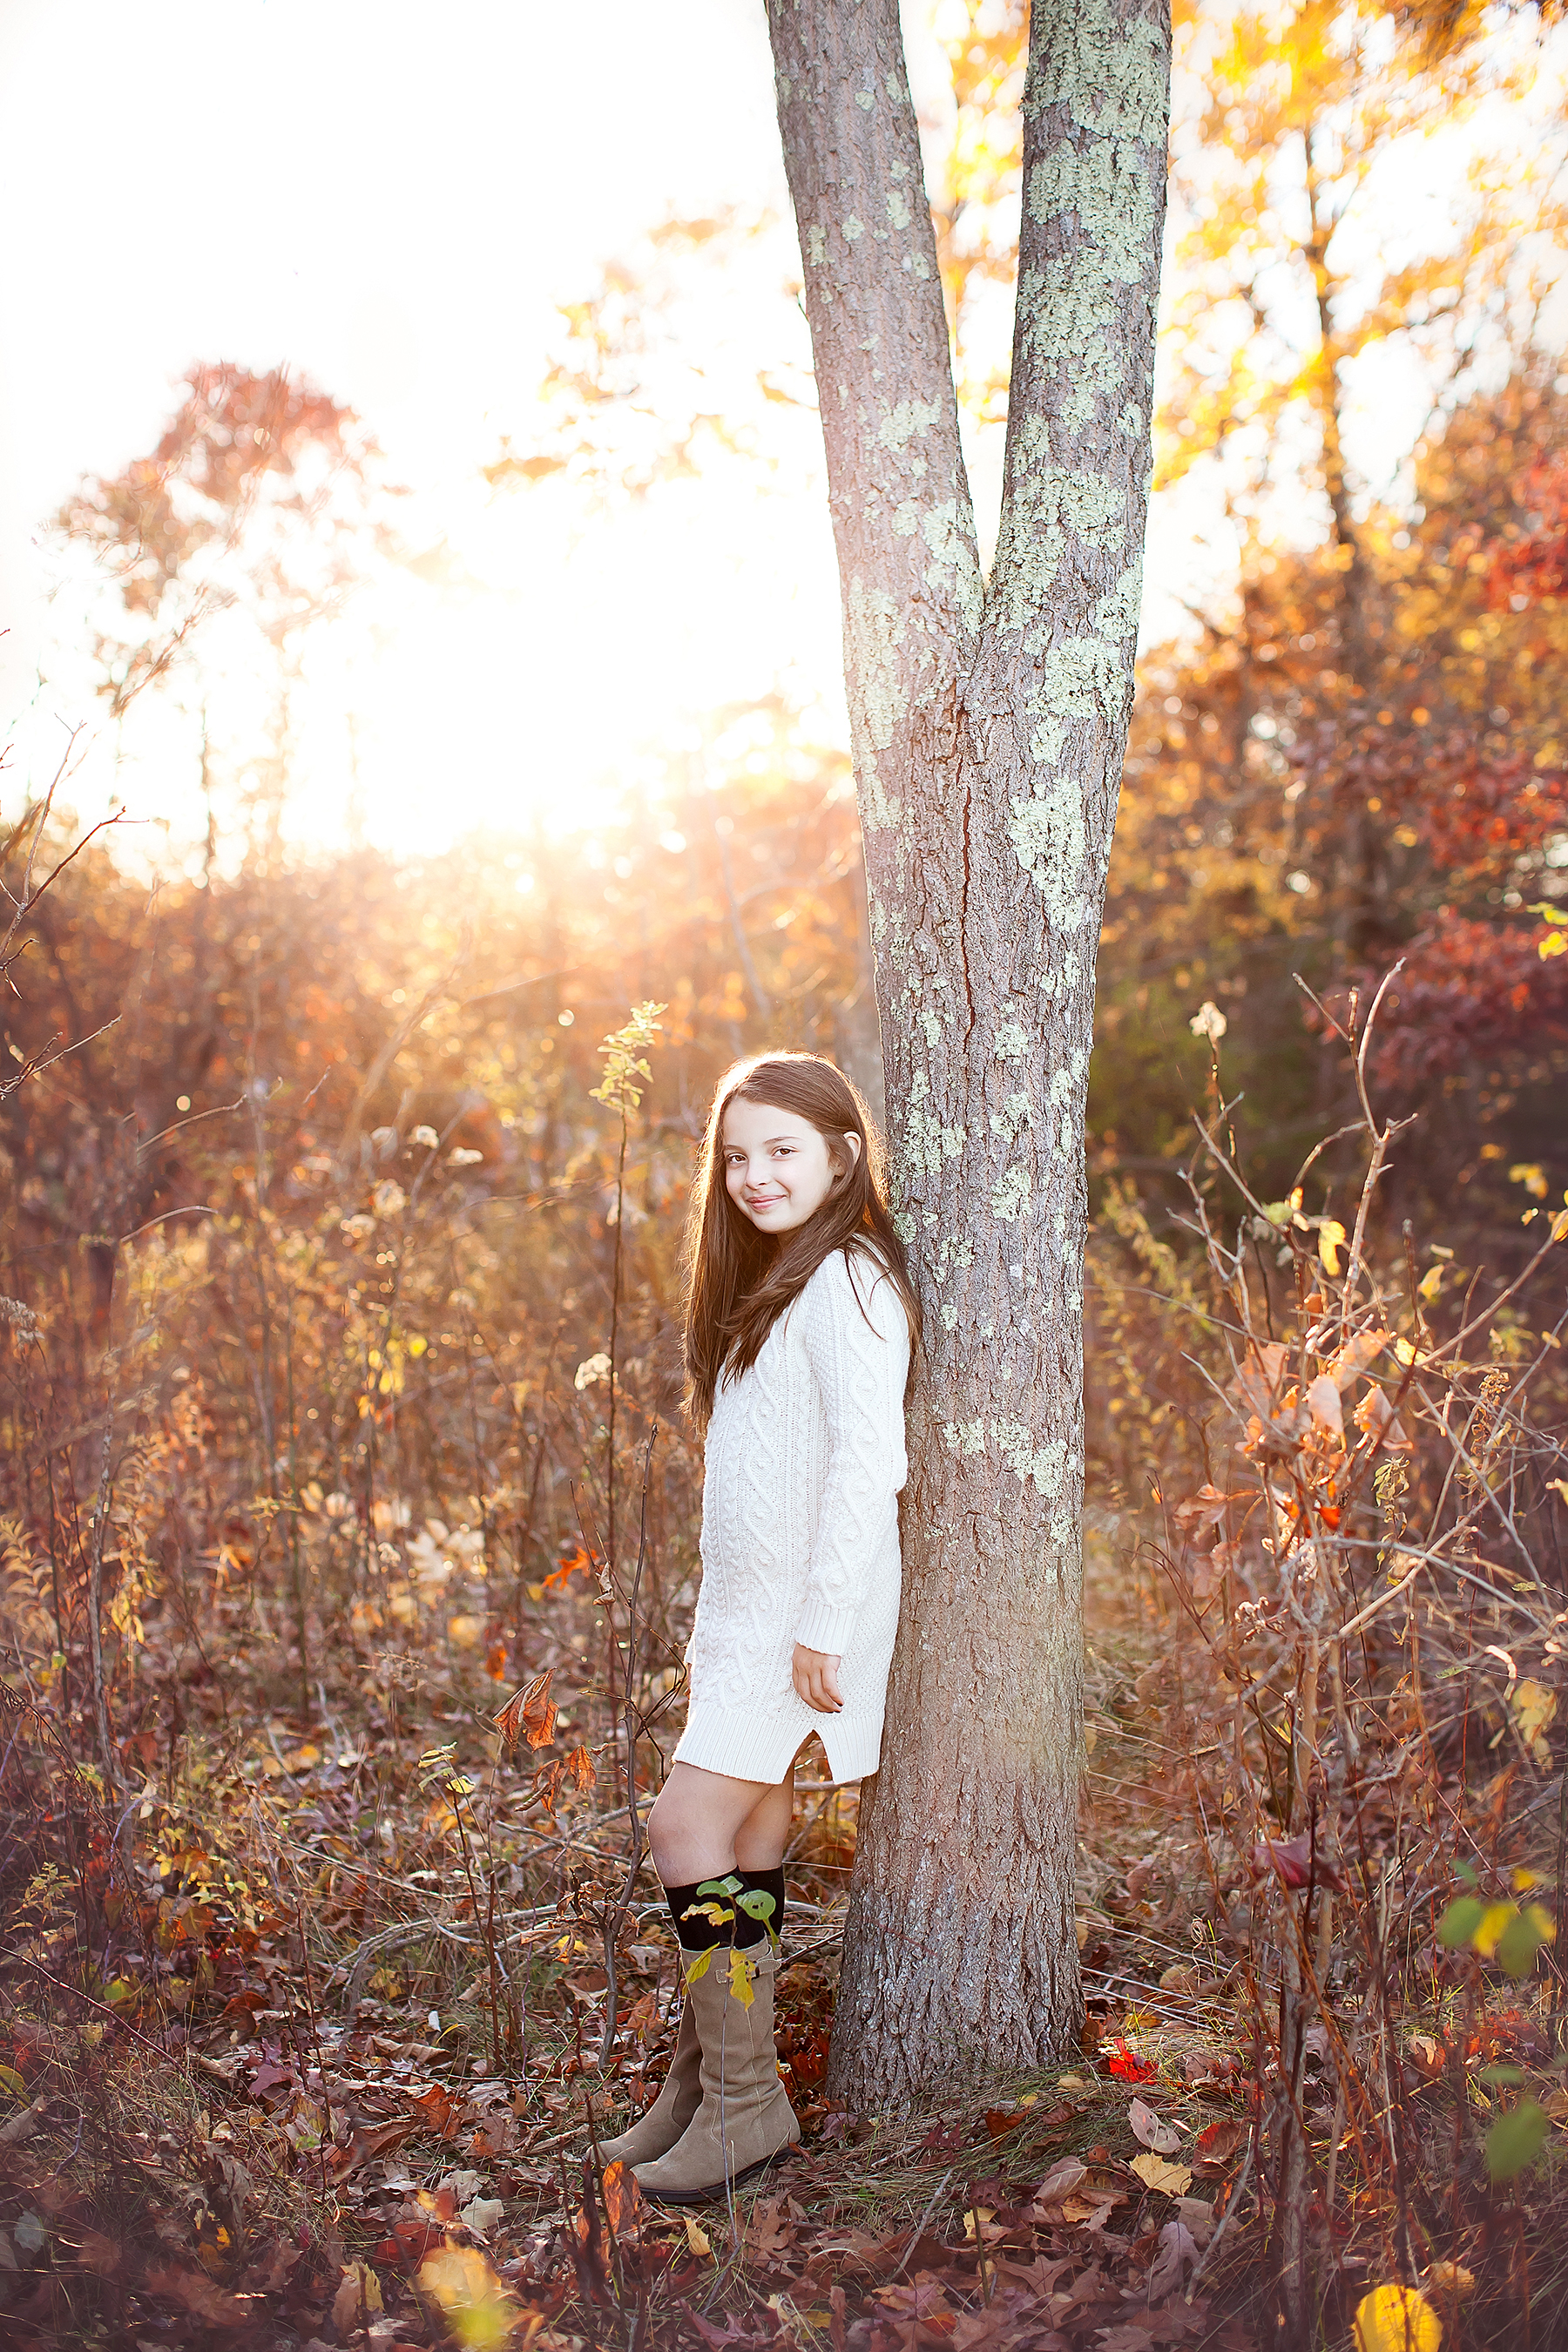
738	1747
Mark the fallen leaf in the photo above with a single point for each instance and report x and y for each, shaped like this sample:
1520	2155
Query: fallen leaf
200	2295
1127	2066
1060	2182
1219	2144
436	2107
482	2214
1155	2172
1152	2130
1197	2213
1177	2251
359	2291
1396	2318
696	2237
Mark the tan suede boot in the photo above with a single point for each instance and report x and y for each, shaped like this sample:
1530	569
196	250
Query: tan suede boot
745	2120
678	2101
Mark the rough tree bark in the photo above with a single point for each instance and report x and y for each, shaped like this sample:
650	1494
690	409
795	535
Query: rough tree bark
989	720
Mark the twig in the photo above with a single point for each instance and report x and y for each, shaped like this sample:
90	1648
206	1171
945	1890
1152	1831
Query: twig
918	2229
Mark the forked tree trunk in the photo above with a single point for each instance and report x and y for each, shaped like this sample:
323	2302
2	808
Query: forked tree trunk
989	721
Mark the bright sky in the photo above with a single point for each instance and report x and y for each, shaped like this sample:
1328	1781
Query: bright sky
391	203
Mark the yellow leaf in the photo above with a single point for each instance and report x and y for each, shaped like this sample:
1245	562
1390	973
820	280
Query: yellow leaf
1494	1919
1560	1224
1531	1175
479	2311
1396	2319
1169	2179
1431	1282
742	1979
696	2237
358	2288
1555	943
981	2213
701	1964
1450	2279
1533	1708
1330	1237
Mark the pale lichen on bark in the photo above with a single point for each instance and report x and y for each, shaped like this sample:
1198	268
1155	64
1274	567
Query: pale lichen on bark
988	721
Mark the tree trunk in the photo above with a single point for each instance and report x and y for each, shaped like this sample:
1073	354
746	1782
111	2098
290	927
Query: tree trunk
988	723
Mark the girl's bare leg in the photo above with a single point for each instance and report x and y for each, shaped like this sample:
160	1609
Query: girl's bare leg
703	1824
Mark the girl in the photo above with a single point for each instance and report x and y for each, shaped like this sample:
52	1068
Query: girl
799	1327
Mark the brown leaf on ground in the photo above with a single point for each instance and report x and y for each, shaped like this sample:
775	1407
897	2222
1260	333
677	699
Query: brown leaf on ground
1152	2130
200	2295
1216	2147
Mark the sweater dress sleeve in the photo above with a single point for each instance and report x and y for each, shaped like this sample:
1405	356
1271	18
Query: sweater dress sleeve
857	1344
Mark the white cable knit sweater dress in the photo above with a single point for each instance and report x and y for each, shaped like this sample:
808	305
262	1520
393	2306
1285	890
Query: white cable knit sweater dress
800	1531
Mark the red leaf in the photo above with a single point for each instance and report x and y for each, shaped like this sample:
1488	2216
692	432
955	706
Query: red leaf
1128	2067
435	2108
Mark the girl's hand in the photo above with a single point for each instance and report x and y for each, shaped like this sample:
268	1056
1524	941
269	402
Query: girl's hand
815	1674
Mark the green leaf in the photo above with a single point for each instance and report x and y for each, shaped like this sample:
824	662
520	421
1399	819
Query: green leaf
1515	2139
1522	1938
11	2081
1502	2076
1459	1921
723	1886
756	1902
1463	1871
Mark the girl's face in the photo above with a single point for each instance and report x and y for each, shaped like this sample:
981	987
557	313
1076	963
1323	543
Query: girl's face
777	1168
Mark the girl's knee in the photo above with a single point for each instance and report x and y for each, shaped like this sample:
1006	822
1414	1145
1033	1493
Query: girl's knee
666	1825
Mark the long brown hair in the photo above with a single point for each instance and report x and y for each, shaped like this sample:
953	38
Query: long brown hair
740	1281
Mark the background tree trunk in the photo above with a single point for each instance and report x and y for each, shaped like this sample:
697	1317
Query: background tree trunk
988	724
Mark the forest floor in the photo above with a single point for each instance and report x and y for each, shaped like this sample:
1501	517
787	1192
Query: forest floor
307	2111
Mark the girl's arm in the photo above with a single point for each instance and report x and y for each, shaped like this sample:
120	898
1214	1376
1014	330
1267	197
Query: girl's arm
857	1343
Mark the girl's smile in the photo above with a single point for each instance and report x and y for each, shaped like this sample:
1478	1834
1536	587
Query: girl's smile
778	1170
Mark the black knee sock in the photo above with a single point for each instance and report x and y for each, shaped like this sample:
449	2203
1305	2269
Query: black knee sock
740	1922
763	1915
695	1927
